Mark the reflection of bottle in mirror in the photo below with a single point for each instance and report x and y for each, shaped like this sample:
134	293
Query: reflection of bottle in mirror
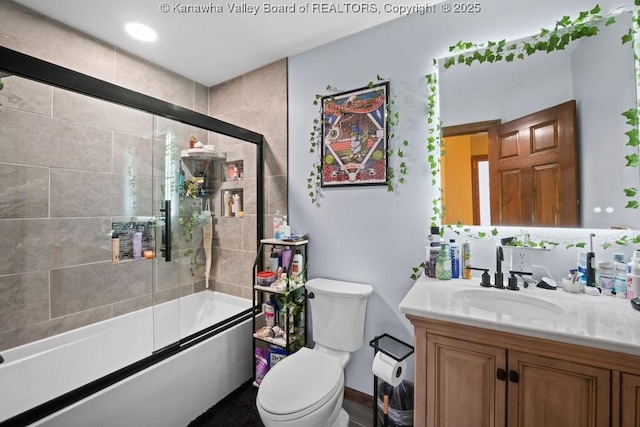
465	257
432	251
137	245
455	259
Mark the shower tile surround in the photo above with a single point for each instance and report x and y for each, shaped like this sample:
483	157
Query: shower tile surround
65	159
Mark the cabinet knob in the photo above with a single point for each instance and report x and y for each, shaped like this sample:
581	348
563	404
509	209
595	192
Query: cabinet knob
501	374
514	377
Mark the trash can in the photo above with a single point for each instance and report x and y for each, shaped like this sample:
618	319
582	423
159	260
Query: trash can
400	403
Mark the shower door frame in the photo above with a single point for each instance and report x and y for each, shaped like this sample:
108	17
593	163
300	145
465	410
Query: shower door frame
23	65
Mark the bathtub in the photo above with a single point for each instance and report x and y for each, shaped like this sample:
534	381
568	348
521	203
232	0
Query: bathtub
185	381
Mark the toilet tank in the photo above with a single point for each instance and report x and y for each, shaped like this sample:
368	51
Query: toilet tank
338	311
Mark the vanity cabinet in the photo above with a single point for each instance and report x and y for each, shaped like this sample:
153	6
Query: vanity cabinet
470	376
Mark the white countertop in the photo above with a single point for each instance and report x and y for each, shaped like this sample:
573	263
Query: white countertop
603	322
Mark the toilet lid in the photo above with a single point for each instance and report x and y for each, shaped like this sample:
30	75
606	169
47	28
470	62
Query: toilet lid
301	382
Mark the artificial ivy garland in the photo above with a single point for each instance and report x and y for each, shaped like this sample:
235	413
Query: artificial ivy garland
393	122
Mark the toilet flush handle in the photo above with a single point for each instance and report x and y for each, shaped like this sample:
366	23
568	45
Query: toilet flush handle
310	295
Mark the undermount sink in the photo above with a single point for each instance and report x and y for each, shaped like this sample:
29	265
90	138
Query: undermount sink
509	303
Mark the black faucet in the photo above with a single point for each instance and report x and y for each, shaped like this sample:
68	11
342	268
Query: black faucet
499	282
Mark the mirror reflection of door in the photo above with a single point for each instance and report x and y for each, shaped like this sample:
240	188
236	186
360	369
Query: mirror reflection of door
533	169
530	177
465	174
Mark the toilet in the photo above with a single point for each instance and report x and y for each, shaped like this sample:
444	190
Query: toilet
306	389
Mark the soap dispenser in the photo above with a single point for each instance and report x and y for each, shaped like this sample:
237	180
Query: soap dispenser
443	263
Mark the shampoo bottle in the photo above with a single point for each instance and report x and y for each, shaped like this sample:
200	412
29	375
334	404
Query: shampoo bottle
455	259
115	249
277	222
271	312
297	264
137	245
466	261
273	261
432	253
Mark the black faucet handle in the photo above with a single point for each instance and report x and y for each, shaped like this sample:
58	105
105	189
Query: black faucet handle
513	282
486	278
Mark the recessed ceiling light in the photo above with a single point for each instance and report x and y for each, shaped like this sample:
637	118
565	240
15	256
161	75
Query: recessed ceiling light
140	32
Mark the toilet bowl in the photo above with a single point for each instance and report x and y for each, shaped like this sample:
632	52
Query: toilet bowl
305	389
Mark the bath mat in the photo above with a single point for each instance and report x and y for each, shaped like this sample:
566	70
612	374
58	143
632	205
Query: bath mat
235	410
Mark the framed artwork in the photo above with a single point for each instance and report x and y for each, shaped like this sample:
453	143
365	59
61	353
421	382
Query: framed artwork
354	137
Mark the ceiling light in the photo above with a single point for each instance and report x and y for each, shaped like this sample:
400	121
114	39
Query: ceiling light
140	32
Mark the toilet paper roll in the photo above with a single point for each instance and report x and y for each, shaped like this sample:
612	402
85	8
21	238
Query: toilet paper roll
388	369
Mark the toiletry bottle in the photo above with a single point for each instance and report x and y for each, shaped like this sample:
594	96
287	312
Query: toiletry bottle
227	203
236	174
434	248
443	263
271	311
137	245
633	276
455	258
236	205
297	264
262	367
273	260
115	248
285	228
181	178
466	261
277	222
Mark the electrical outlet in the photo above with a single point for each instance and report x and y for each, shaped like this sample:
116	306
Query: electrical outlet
521	260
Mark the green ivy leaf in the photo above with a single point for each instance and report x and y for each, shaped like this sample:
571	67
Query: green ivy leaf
630	192
581	245
494	232
632	204
610	21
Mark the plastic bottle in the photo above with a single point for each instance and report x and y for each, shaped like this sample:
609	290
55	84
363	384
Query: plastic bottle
181	177
273	260
633	276
432	251
443	263
277	222
466	261
262	367
271	312
137	245
115	249
455	258
297	264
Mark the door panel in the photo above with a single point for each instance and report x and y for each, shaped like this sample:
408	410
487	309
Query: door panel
556	393
463	375
630	400
530	145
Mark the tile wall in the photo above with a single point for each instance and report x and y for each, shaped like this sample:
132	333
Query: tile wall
67	165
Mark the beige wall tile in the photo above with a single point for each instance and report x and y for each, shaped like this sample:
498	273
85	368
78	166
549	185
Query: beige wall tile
83	194
265	83
84	109
132	154
26	95
40	244
275	156
229	233
235	267
84	287
201	99
276	194
225	97
42	141
24	299
133	304
268	117
24	191
33	34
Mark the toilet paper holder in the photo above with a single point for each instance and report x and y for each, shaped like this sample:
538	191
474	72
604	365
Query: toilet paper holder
395	349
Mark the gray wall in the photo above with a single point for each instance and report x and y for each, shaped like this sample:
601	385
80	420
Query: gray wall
367	234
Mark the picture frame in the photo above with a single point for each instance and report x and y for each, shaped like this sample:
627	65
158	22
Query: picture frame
355	137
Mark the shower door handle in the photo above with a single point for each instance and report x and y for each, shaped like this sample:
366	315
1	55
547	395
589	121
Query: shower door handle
166	234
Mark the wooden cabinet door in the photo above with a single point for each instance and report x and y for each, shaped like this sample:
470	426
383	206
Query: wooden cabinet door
630	401
462	389
549	392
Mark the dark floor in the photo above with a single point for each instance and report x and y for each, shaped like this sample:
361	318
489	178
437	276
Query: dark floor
239	409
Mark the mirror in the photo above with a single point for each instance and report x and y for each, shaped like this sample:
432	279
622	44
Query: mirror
597	72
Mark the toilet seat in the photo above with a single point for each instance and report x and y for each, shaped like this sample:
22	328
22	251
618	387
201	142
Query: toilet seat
300	384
